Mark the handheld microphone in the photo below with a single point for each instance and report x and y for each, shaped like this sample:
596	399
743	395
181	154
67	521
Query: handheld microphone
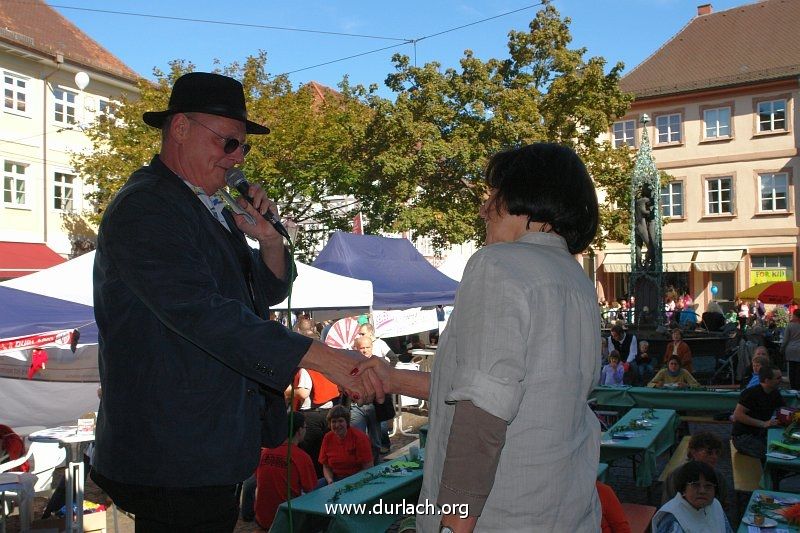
235	178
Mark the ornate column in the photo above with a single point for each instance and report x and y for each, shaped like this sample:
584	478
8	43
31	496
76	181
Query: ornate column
646	279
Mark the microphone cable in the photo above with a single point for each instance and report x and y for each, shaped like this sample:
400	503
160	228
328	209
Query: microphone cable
291	394
291	274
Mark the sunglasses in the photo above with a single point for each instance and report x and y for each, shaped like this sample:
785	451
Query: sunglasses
231	145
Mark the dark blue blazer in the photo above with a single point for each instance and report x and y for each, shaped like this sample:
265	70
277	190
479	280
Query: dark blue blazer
180	304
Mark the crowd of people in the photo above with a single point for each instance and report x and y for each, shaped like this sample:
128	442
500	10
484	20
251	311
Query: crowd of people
626	361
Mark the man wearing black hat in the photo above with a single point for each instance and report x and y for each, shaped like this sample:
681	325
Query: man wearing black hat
192	372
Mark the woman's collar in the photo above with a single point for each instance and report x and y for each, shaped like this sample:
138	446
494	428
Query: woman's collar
545	239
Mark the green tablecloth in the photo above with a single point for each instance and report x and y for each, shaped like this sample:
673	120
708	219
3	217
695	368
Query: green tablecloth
648	444
678	399
310	508
788	498
774	465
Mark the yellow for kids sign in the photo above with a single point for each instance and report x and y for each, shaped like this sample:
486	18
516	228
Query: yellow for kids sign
765	275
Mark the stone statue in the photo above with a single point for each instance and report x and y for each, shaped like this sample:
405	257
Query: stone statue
644	227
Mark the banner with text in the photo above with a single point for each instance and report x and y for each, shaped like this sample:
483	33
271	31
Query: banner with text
405	322
766	275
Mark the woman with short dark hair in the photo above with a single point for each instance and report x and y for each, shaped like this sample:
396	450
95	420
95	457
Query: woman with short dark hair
695	506
510	434
673	376
345	450
678	347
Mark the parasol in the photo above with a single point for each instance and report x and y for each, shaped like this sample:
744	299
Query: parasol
343	333
773	292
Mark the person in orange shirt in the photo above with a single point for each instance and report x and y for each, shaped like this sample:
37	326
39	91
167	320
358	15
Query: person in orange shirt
614	519
272	475
678	347
345	450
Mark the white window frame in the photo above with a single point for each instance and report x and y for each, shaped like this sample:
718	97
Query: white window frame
62	100
625	139
668	206
772	120
15	91
63	191
775	195
12	180
715	185
109	105
716	127
664	127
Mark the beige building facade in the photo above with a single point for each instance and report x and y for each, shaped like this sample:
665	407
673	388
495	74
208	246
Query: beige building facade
56	81
722	108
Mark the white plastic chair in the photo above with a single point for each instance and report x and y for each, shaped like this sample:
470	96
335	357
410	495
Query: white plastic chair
47	456
17	486
22	487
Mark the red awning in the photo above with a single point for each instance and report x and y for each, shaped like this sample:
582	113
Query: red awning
21	258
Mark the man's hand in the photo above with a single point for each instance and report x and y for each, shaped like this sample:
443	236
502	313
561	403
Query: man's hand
263	231
342	367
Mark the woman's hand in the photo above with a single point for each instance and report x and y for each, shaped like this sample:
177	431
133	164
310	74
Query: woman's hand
378	372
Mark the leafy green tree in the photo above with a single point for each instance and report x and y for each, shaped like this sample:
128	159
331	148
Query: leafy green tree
412	163
306	164
425	152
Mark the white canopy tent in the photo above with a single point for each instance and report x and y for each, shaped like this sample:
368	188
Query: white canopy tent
453	266
328	295
68	386
71	281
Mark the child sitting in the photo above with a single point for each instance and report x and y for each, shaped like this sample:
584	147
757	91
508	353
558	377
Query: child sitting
613	372
642	366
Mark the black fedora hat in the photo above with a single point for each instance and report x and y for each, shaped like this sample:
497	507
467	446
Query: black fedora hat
205	92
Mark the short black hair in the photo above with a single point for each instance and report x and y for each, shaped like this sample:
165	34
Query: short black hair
692	471
705	440
766	372
298	420
549	183
339	411
616	328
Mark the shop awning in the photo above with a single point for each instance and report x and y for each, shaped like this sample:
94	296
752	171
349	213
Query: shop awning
617	262
21	258
677	261
717	260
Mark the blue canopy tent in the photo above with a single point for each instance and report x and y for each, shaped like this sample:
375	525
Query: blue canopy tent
26	313
67	387
401	277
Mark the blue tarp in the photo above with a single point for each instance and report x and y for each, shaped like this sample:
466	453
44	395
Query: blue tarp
25	313
401	277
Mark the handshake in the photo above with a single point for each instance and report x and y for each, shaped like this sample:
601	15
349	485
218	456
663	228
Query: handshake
370	379
363	378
